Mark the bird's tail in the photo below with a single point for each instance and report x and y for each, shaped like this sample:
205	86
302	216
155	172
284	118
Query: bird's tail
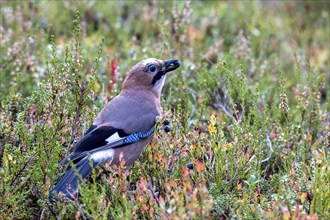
68	185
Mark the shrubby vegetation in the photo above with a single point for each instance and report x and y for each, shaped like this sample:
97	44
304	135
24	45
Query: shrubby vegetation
249	108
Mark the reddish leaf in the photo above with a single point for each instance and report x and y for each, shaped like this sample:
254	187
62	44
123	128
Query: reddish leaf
199	166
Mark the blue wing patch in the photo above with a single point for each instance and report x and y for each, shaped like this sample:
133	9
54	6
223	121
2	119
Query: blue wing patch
135	137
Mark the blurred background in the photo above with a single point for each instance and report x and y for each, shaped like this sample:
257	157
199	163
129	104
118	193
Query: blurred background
257	34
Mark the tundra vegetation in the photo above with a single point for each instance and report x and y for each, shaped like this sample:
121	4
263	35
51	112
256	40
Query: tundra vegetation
249	107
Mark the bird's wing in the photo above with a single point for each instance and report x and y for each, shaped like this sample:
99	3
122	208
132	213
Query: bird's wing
103	138
124	118
99	136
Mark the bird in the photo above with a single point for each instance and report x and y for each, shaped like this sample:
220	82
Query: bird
122	129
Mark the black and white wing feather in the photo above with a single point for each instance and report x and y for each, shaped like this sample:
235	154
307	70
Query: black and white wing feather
98	143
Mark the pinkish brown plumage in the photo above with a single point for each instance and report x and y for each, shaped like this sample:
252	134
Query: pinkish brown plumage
124	127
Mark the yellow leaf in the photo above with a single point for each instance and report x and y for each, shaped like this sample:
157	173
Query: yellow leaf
309	137
10	158
319	161
227	146
193	147
172	184
303	196
212	129
286	216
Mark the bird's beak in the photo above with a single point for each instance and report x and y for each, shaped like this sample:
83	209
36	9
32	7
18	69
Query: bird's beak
170	65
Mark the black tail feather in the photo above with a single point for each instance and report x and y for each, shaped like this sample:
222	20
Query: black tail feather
68	185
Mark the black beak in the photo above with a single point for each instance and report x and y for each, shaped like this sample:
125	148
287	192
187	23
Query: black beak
170	65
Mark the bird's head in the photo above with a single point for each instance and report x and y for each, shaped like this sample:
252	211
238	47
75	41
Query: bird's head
149	74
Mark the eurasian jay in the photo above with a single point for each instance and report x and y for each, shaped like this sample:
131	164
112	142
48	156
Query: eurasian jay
124	127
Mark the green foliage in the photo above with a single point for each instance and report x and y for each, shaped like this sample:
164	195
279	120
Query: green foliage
249	108
320	202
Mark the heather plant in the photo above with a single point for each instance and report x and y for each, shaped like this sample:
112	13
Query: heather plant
249	108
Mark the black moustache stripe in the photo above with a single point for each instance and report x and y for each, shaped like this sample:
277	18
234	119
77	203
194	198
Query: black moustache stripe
157	77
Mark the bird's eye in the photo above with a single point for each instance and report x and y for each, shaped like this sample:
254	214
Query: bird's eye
152	69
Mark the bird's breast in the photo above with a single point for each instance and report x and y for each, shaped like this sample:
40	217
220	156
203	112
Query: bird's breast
130	113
